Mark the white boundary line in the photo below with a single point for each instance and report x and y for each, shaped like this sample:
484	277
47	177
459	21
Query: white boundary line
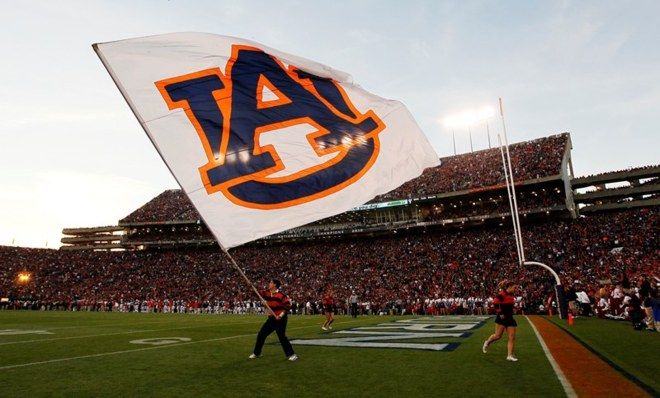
21	365
568	388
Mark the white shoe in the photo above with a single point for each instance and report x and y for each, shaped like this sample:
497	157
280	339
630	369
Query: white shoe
293	357
485	347
512	358
324	328
254	356
329	327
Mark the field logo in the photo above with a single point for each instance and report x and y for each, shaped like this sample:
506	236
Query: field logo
161	340
240	114
398	334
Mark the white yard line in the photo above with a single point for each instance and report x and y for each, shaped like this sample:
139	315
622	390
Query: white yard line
120	333
103	354
84	325
117	352
568	388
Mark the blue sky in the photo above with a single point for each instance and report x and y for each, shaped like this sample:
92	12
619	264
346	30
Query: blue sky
72	154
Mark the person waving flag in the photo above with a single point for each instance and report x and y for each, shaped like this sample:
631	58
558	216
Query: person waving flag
262	141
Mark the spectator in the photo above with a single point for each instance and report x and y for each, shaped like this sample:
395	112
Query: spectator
584	302
445	271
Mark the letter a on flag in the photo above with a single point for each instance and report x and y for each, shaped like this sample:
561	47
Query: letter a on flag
262	141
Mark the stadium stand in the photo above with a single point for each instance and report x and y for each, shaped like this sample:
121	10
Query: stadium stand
478	170
171	205
530	160
465	189
403	270
438	244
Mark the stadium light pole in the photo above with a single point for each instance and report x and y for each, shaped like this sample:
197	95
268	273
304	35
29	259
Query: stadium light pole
488	134
468	119
511	191
470	133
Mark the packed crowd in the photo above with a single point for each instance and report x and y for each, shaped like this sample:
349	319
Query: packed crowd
171	205
165	233
531	159
409	271
635	300
629	185
537	200
649	167
484	206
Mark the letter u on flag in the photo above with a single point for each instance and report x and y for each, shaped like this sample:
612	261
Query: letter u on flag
262	141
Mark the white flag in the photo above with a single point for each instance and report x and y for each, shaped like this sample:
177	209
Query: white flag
262	141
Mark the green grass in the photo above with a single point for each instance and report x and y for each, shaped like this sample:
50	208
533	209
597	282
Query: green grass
215	362
634	351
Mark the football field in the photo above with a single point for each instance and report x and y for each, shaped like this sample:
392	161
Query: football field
192	355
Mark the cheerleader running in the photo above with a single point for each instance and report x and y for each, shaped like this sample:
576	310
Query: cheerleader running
504	320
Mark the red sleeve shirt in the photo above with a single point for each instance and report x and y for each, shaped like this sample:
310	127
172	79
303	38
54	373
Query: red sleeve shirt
503	303
278	302
328	300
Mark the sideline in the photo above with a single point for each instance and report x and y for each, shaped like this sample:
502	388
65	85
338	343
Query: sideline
568	388
621	370
587	373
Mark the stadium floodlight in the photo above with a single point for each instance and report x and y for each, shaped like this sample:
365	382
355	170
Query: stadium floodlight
468	119
24	277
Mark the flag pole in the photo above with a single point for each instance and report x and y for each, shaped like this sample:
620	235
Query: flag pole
142	123
470	133
488	133
247	280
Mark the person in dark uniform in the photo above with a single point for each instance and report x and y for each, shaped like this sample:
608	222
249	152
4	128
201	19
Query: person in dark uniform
647	294
354	304
328	307
504	321
277	318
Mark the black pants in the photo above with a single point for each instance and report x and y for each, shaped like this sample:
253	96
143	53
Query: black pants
354	309
273	325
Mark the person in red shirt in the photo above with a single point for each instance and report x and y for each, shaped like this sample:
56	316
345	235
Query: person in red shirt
277	319
328	307
504	321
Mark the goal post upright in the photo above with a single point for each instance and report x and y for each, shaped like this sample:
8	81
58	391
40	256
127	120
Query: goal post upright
562	305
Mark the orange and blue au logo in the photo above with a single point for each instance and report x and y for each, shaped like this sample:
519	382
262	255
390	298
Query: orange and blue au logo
230	112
